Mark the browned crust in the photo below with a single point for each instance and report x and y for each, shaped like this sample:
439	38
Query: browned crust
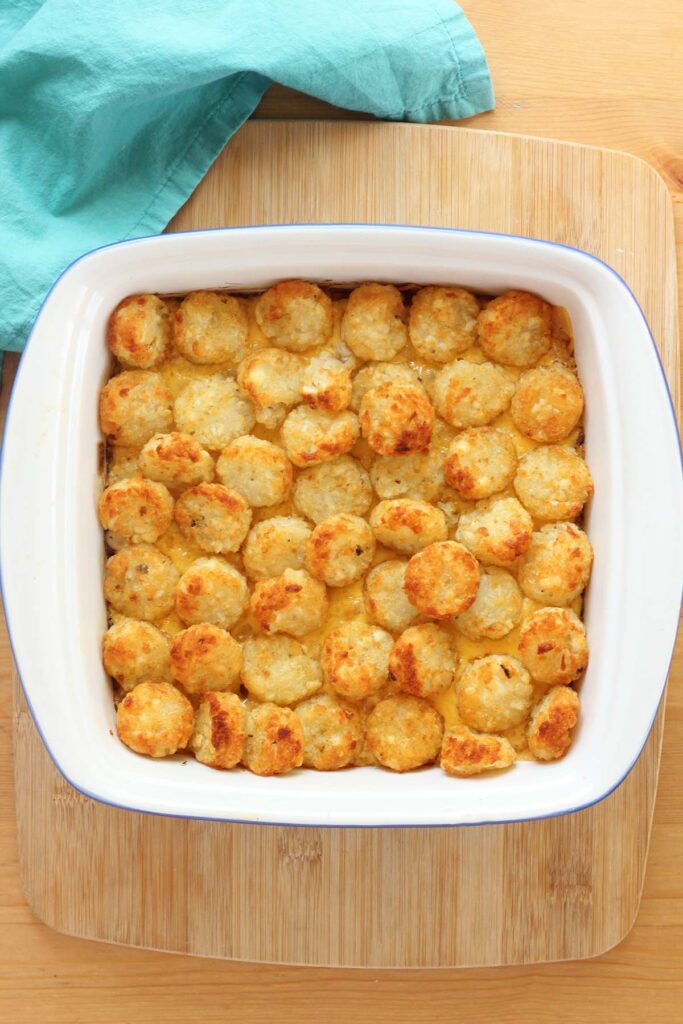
270	597
407	411
228	729
404	667
552	722
429	569
177	447
546	631
123	331
468	753
193	645
276	740
154	503
120	387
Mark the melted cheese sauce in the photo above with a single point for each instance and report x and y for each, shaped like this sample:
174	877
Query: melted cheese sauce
346	603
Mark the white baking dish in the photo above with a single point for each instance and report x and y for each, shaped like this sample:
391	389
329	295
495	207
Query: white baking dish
52	552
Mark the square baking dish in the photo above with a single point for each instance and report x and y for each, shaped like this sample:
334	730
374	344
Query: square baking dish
53	558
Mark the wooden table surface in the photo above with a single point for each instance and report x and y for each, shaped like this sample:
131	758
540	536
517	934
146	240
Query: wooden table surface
605	73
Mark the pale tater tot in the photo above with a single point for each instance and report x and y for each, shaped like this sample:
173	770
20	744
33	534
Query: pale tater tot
311	436
465	753
422	661
213	411
386	601
134	405
291	603
122	467
220	730
404	733
442	580
355	659
277	669
340	550
139	331
416	475
133	651
336	486
374	325
552	722
272	379
213	517
211	327
493	693
275	740
481	461
176	460
406	525
553	483
136	509
471	394
515	329
155	719
274	545
547	403
258	470
443	322
295	315
396	419
205	657
141	582
333	732
557	565
211	591
553	646
326	383
497	531
497	608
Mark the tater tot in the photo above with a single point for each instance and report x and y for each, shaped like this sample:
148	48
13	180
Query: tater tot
275	740
374	325
465	753
139	331
552	722
404	733
515	329
295	315
333	732
220	730
155	719
443	322
422	661
210	327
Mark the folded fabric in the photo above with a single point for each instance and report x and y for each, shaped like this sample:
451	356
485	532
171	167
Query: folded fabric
111	112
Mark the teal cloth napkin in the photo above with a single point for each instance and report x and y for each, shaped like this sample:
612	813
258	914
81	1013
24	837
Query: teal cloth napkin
112	110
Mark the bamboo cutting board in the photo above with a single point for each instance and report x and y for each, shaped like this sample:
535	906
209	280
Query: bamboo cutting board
510	894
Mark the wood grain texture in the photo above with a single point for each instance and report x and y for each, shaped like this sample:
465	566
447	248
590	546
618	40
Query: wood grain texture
628	58
552	890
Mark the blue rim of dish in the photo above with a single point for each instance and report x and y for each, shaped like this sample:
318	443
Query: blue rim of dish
317	226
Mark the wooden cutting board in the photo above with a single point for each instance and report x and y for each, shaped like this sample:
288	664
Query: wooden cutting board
508	894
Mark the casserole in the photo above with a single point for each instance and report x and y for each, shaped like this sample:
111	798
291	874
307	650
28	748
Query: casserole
52	559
